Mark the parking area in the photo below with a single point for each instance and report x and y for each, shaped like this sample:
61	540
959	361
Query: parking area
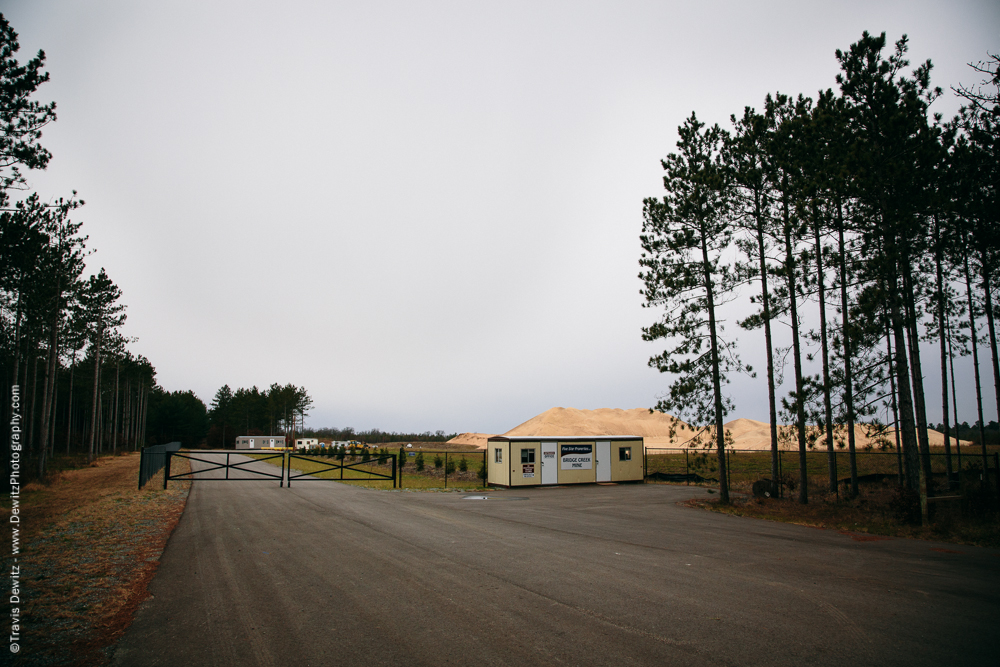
583	575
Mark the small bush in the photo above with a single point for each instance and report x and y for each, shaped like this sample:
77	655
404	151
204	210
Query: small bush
449	468
438	461
365	455
482	472
419	460
463	465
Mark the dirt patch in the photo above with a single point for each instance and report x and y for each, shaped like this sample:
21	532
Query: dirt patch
91	544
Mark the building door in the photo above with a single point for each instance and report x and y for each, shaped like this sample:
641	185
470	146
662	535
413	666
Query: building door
550	463
603	461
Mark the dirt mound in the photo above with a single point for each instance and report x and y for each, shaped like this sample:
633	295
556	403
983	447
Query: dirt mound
752	434
653	426
474	439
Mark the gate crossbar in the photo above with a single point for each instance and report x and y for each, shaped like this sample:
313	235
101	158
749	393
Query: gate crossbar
342	467
260	474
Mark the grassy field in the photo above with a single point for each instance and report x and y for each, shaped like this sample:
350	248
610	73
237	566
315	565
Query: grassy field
746	467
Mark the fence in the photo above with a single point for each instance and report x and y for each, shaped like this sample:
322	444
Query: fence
241	467
744	467
376	467
447	468
152	459
359	471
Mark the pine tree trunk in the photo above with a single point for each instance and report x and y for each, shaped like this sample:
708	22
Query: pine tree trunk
800	414
93	409
50	378
907	426
939	285
69	408
33	400
114	412
987	287
916	372
895	407
954	401
720	440
765	299
848	369
145	411
828	407
975	366
55	406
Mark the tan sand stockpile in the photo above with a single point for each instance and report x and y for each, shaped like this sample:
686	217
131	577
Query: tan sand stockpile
752	434
474	439
655	427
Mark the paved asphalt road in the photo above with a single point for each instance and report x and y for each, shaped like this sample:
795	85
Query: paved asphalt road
329	574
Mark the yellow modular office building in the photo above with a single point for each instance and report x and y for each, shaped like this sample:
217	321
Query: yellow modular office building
542	460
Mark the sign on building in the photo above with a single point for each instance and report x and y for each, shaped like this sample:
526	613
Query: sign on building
576	457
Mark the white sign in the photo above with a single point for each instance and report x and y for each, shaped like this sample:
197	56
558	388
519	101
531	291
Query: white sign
577	457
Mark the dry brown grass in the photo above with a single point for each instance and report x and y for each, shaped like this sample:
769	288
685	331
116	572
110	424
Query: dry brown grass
879	512
90	546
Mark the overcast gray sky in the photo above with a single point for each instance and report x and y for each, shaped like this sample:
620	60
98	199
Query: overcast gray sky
427	213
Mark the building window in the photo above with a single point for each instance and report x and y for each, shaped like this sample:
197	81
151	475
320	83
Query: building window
498	455
528	455
624	453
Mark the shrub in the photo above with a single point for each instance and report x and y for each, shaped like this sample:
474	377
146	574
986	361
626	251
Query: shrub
482	472
365	455
449	468
419	460
463	465
438	461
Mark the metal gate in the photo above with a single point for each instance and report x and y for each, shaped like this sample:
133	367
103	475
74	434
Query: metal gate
357	471
240	466
356	467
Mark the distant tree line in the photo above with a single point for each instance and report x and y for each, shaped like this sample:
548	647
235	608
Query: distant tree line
281	410
859	210
277	410
375	436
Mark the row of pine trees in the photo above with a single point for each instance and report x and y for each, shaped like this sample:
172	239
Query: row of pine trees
61	344
859	209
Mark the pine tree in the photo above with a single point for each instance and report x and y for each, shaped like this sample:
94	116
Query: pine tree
683	237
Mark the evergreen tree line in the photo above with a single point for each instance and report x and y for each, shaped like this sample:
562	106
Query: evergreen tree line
859	210
80	389
376	436
278	410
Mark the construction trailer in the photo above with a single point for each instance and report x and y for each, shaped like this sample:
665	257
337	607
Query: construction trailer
260	442
544	460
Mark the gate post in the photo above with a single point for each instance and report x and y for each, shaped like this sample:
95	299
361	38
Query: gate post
446	470
394	472
166	469
281	483
996	467
402	465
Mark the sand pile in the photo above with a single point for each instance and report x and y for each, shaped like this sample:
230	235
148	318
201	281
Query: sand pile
475	439
752	434
655	429
653	426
